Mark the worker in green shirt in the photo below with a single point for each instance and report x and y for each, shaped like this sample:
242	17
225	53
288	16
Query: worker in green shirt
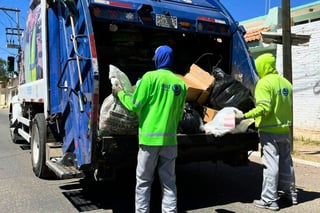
273	117
159	99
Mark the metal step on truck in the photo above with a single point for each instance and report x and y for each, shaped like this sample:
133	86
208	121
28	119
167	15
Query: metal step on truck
68	46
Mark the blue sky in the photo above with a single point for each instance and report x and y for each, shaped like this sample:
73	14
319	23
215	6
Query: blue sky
246	9
239	9
9	19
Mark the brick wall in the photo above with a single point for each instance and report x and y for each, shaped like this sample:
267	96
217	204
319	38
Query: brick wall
305	77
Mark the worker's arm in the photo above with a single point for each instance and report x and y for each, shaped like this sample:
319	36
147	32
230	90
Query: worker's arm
263	98
137	100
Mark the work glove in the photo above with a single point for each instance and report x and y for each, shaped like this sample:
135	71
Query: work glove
115	91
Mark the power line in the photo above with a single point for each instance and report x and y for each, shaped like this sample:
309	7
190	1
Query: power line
5	12
13	31
9	21
2	23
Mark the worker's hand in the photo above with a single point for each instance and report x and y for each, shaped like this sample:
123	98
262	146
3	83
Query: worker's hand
115	91
239	117
238	120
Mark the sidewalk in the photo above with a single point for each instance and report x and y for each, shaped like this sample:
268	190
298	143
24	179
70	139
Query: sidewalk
306	153
303	153
306	162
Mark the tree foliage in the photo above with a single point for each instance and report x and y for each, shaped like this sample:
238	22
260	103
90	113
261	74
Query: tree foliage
3	71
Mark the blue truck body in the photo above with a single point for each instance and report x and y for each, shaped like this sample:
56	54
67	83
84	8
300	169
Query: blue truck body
68	46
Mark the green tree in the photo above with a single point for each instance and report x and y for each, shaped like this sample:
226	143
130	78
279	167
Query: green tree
3	71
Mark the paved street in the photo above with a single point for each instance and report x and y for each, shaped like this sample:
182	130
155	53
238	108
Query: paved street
202	187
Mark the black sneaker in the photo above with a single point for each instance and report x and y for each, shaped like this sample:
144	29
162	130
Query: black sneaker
291	199
264	205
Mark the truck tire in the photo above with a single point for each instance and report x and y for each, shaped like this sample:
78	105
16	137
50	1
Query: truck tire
13	128
14	136
38	146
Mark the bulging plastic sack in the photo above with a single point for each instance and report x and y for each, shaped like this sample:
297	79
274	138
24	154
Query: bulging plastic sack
191	121
228	92
119	78
115	119
242	126
224	122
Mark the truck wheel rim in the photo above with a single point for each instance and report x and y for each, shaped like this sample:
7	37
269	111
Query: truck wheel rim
35	146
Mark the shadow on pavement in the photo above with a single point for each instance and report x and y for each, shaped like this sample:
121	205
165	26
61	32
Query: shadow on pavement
200	185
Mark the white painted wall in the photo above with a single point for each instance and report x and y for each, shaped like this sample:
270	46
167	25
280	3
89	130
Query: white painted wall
305	78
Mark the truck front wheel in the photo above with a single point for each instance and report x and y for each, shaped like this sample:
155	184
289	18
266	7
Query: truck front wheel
38	146
14	135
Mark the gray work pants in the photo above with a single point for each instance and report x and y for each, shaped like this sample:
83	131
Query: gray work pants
149	157
278	172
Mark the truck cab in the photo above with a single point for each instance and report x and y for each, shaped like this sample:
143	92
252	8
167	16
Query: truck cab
68	47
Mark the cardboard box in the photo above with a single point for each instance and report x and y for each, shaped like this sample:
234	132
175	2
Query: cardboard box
199	83
209	114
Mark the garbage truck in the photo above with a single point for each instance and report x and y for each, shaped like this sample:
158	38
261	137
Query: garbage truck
68	47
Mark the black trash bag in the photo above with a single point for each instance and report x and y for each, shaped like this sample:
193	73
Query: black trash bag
228	92
191	121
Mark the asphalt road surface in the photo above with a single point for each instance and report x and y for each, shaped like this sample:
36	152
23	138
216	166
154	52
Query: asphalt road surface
202	187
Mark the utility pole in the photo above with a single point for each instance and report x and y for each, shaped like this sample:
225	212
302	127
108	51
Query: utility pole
286	42
14	31
287	51
11	44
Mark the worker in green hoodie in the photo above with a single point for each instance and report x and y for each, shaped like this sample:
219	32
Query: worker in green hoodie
159	99
273	117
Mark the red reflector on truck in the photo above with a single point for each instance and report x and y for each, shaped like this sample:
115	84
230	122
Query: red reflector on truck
93	46
207	19
212	20
119	4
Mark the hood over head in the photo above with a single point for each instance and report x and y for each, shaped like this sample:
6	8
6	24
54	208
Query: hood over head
164	57
266	64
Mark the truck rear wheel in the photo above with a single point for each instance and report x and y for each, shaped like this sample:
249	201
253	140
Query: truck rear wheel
38	146
14	136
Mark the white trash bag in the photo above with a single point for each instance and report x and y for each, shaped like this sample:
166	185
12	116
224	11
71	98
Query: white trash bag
242	126
115	119
119	78
224	122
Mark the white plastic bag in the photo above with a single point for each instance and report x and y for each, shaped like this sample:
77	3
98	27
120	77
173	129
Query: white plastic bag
242	126
119	78
115	119
224	122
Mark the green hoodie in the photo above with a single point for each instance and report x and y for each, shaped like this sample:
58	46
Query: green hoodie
273	95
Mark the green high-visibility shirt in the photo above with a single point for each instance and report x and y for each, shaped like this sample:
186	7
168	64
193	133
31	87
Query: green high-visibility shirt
273	95
159	100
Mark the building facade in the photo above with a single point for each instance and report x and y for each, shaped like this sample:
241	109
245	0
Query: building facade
305	62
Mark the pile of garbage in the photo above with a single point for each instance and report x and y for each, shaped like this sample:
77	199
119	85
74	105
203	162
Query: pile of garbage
214	101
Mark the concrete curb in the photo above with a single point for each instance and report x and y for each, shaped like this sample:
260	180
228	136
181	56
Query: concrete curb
305	162
295	160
